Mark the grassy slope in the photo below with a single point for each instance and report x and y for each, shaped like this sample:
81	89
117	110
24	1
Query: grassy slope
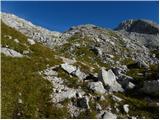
20	75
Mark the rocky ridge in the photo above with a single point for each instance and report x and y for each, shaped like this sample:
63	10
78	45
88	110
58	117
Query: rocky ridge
37	33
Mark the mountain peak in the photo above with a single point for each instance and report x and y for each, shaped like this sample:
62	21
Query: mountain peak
86	26
139	26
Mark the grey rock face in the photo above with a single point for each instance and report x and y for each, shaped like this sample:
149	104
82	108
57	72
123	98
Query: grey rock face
50	72
79	74
10	52
34	32
109	79
140	26
97	87
68	68
74	71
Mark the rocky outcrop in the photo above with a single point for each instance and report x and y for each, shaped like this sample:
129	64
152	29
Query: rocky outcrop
140	26
105	43
73	70
68	68
109	80
10	52
37	33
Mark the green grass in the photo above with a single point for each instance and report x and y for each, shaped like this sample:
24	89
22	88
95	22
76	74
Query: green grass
5	41
138	106
83	54
70	81
20	75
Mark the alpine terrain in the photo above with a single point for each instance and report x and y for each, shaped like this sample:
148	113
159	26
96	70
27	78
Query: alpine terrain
85	72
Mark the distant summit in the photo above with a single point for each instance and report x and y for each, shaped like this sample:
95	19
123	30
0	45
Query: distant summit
139	26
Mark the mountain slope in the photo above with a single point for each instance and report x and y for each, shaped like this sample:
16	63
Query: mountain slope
144	31
139	26
85	72
32	31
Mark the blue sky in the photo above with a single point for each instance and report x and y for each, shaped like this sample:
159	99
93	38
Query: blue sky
60	16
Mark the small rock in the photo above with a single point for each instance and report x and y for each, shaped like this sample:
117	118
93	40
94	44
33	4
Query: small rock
16	40
25	52
153	55
78	95
108	115
9	37
119	70
126	108
79	74
31	42
124	80
133	117
20	101
97	87
109	56
98	107
130	85
50	72
115	98
10	52
68	68
117	110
